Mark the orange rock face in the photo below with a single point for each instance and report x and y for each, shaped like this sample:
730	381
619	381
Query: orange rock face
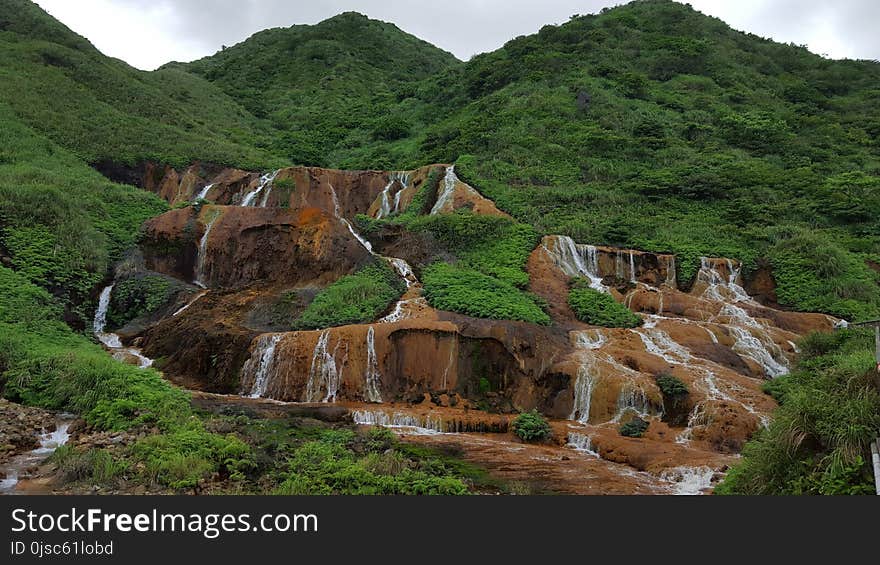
420	368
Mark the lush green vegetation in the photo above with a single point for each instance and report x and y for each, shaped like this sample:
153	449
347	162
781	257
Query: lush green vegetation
531	426
330	91
634	428
829	413
328	465
139	296
671	386
599	308
43	363
460	289
353	299
61	223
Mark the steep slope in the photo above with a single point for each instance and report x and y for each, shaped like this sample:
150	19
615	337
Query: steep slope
104	110
653	126
330	86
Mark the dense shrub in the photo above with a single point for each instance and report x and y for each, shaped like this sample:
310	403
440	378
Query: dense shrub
531	426
600	309
353	299
634	428
460	289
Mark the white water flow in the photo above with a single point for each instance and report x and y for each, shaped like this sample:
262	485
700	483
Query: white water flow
446	195
583	389
110	340
575	260
588	339
16	468
203	252
581	442
632	267
373	378
203	193
632	398
430	424
194	299
324	378
265	184
751	339
260	367
689	480
671	277
385	206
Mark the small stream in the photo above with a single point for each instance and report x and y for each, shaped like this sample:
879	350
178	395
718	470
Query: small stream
17	468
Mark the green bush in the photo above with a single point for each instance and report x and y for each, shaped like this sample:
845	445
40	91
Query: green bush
600	309
459	289
138	296
353	299
671	386
634	428
531	426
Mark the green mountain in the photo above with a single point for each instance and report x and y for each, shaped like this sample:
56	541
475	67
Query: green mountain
326	88
649	126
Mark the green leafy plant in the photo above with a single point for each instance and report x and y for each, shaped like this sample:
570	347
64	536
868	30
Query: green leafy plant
531	426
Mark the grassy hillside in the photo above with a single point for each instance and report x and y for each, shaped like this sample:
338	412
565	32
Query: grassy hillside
102	109
656	127
329	88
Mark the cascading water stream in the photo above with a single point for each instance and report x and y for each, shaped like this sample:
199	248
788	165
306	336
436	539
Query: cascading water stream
261	364
575	260
265	184
203	251
372	378
204	192
324	378
385	206
448	192
110	340
16	468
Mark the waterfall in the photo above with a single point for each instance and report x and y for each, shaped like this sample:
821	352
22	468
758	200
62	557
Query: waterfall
323	375
632	267
404	270
589	339
366	244
100	322
265	183
188	304
583	390
385	206
671	277
750	346
429	425
581	442
261	364
689	480
203	193
632	398
372	378
448	192
203	252
110	340
715	283
575	260
658	342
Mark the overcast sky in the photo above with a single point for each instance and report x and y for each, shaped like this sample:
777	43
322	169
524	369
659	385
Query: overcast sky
149	33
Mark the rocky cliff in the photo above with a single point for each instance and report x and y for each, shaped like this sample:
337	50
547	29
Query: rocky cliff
249	239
